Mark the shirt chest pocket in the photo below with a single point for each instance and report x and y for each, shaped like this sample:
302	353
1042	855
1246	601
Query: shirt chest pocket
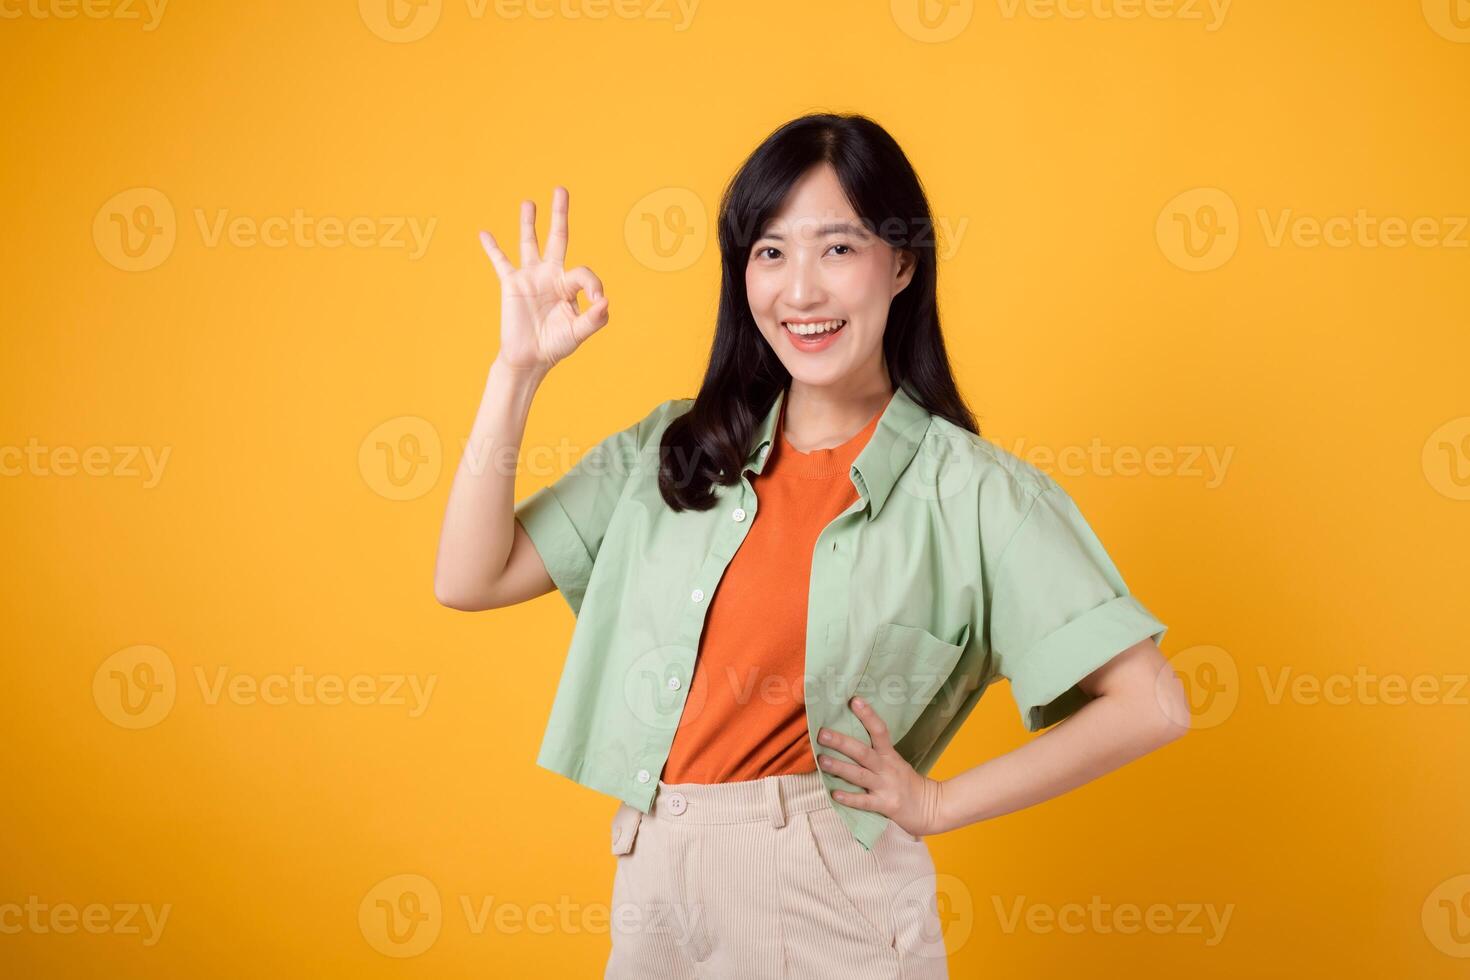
906	667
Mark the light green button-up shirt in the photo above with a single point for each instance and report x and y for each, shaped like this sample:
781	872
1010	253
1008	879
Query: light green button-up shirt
958	564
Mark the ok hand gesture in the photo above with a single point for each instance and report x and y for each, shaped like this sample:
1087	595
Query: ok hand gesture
539	320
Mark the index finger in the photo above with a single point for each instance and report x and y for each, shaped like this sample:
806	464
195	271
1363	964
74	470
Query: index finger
530	250
873	722
556	242
498	258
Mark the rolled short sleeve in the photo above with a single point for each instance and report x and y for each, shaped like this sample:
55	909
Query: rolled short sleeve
568	519
1059	610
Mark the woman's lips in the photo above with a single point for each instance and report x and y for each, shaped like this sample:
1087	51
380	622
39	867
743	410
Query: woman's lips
813	342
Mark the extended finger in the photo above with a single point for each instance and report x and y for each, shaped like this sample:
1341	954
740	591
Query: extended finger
858	801
556	242
503	268
530	251
851	747
854	774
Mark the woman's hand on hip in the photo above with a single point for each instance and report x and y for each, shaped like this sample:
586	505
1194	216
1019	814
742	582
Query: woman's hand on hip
539	320
893	787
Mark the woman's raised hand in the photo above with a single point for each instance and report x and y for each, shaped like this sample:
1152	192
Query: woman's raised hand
539	321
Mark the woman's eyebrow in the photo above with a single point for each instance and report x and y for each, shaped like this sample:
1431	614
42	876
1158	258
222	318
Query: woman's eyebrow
831	228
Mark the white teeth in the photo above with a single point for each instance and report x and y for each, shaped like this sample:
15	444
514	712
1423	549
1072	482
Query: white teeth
807	329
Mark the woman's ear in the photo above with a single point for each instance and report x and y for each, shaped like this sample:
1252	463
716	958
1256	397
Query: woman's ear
904	274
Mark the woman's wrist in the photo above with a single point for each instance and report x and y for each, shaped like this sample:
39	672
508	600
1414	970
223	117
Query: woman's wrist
530	378
945	818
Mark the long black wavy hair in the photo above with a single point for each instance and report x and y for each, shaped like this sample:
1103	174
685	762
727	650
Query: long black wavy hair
744	375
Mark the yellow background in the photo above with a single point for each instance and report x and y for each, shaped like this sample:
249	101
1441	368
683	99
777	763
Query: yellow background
1332	829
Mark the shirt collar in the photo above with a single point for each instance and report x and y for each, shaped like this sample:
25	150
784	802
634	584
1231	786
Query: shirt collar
881	462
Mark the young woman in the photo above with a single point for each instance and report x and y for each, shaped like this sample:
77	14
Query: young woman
792	589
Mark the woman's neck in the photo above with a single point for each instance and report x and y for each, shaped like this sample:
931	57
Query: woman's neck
824	416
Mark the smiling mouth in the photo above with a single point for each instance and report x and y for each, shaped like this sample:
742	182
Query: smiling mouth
820	329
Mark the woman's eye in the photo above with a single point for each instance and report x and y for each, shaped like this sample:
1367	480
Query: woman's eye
761	252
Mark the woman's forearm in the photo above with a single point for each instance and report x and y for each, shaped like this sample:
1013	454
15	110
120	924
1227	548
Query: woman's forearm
479	519
1102	735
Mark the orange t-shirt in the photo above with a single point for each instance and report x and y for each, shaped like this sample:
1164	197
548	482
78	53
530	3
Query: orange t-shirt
745	716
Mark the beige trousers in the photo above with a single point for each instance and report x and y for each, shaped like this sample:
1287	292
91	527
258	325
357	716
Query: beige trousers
761	880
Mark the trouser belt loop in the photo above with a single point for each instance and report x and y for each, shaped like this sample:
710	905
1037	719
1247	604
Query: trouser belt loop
773	802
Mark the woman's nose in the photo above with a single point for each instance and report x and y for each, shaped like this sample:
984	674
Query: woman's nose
805	283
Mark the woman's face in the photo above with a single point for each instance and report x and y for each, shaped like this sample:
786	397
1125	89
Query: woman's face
816	262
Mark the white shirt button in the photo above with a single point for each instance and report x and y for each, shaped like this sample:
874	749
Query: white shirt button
643	775
765	451
697	595
738	513
673	683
